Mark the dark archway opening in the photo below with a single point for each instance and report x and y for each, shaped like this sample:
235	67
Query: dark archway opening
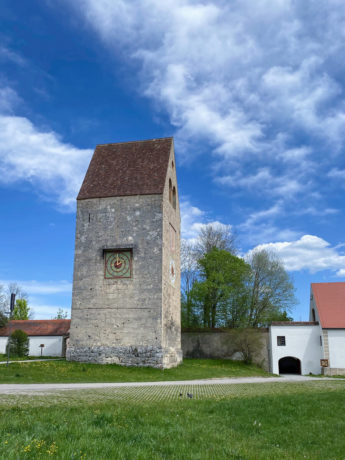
289	365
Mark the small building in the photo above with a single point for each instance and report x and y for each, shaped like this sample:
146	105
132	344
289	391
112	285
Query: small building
51	333
317	346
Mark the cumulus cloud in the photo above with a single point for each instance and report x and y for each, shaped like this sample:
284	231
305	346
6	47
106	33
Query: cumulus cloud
194	219
40	157
310	253
258	82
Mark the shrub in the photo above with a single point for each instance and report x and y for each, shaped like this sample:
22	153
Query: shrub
3	319
18	343
248	342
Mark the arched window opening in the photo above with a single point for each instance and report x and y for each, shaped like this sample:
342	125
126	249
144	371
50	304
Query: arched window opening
172	165
289	365
174	197
170	192
313	315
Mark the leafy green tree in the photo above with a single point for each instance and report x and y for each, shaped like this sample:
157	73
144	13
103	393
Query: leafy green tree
3	319
220	293
5	295
18	343
61	314
21	309
271	289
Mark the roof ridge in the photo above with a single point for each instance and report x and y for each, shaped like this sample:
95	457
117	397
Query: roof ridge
135	142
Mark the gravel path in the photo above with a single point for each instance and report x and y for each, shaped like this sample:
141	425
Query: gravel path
32	388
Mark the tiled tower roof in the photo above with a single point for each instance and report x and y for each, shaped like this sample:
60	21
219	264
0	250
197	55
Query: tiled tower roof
127	168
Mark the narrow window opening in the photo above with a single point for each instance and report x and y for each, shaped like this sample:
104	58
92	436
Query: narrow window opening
320	341
89	217
281	341
313	315
172	165
170	192
174	197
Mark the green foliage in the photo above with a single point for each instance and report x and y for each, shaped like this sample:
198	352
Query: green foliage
18	343
271	289
227	292
61	314
21	309
219	296
3	319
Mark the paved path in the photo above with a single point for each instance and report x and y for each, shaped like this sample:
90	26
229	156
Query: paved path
31	360
32	388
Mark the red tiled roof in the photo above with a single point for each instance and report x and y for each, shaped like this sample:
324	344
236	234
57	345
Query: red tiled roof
38	327
330	304
127	168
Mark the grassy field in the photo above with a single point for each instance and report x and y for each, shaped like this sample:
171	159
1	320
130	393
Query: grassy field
66	371
262	421
25	358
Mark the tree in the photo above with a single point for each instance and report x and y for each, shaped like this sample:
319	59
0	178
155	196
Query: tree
5	295
61	314
3	319
271	290
21	309
18	343
215	235
222	286
188	277
248	342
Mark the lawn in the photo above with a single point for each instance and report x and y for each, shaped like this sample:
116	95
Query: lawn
66	371
25	358
252	421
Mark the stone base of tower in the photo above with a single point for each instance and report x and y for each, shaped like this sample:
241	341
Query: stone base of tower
162	358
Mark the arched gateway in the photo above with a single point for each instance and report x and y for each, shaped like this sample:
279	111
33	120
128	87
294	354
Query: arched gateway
289	365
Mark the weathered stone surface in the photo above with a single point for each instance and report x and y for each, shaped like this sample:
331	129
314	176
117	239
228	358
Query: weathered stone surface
131	321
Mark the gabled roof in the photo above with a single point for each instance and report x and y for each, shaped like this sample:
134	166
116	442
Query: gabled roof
37	327
330	303
127	168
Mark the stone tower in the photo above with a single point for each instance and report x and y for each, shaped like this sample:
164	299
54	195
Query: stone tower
126	286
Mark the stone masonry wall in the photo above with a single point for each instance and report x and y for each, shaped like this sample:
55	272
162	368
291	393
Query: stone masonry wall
171	315
118	320
219	345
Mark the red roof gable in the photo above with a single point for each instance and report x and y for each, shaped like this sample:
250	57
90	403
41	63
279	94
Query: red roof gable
38	327
330	303
127	168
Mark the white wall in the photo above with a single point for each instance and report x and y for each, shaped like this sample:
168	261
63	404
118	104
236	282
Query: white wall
53	345
336	344
302	342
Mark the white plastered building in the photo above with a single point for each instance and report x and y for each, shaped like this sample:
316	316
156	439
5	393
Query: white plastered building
52	334
317	346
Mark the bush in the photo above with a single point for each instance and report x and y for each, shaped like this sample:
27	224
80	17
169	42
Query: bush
3	319
248	342
18	343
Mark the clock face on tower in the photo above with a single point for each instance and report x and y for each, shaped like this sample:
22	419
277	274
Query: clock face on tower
118	264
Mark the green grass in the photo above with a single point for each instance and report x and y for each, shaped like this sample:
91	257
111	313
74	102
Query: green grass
25	358
252	421
66	371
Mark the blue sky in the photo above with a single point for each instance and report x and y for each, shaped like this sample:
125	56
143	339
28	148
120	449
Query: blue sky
253	93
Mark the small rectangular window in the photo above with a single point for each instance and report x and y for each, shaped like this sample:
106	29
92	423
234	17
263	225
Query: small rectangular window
281	341
320	341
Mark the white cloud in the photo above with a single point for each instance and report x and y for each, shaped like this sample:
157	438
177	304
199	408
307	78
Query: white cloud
40	157
242	77
37	287
194	219
310	253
